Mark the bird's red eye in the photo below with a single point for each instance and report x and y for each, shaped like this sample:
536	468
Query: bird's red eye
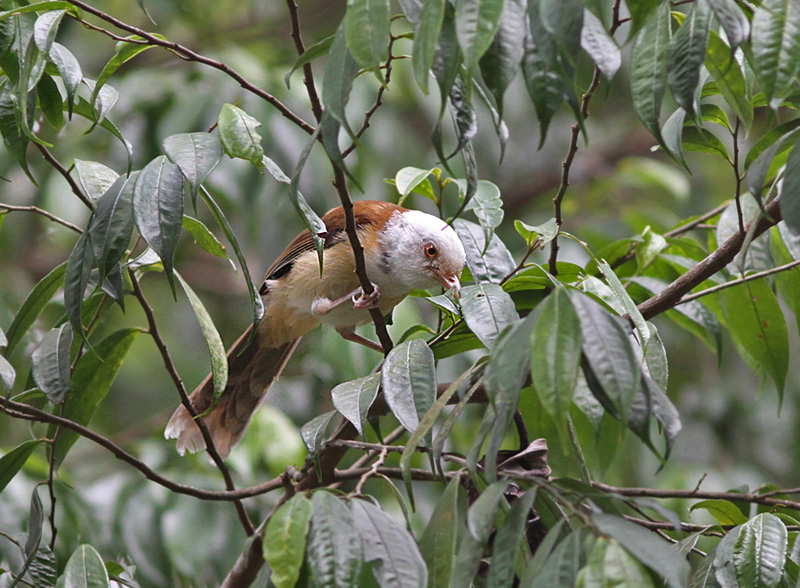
430	250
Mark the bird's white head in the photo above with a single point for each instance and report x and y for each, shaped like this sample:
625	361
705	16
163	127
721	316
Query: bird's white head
422	251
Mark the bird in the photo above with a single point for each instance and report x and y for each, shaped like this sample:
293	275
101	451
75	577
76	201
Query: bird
404	250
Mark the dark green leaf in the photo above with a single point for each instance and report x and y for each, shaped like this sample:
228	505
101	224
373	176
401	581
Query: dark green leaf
238	135
92	379
16	142
82	108
50	363
790	191
760	552
313	432
487	310
486	264
641	12
438	541
95	178
408	379
334	550
285	541
426	38
607	351
482	513
447	58
686	53
561	566
85	569
649	69
51	102
509	540
477	22
12	462
366	26
195	154
757	323
648	548
216	350
353	399
337	81
502	59
703	141
776	48
733	20
125	51
158	209
34	303
76	278
68	68
729	79
110	232
316	50
43	568
610	565
401	563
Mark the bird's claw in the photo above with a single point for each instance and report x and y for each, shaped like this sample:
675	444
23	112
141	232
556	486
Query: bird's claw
361	300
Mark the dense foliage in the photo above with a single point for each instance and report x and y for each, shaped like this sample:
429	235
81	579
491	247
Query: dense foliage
148	152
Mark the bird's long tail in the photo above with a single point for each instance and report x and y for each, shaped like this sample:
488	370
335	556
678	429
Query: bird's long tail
251	372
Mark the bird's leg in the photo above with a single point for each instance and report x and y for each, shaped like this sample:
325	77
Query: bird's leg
351	335
324	305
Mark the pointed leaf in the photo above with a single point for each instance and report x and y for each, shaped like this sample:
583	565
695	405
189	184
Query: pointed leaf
562	565
12	462
337	82
789	196
649	69
502	60
508	541
313	432
158	209
724	511
76	277
686	54
733	21
85	569
600	46
477	22
285	541
426	37
34	303
45	29
50	363
238	135
204	237
760	552
69	68
318	49
408	379
353	399
195	154
366	26
438	542
334	548
95	178
487	310
776	48
92	379
110	232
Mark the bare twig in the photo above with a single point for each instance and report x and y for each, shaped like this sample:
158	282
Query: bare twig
44	213
76	189
738	281
308	74
188	54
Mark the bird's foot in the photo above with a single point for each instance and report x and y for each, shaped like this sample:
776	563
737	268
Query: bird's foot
361	300
350	335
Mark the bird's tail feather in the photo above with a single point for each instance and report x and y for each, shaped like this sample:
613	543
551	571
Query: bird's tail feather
252	369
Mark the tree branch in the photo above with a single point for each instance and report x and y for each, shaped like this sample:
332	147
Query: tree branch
37	210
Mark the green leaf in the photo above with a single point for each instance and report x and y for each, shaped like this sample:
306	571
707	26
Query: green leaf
92	379
545	232
12	462
509	541
481	515
50	363
686	53
82	108
104	100
627	302
45	29
645	546
313	432
487	206
724	511
8	374
715	114
401	563
477	22
353	399
790	195
426	38
69	68
85	569
500	63
408	379
703	141
757	323
285	541
216	350
760	552
608	356
318	49
76	278
414	179
334	550
51	102
204	237
729	79
34	303
15	141
486	264
649	69
733	20
366	27
438	541
337	81
555	345
600	46
195	154
610	565
487	310
642	11
447	58
761	154
95	178
158	209
125	51
112	227
776	49
238	135
561	565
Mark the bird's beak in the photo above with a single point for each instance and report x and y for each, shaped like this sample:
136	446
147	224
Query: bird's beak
450	281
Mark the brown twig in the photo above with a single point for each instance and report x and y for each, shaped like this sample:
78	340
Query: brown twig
176	378
44	213
188	54
308	73
749	278
76	189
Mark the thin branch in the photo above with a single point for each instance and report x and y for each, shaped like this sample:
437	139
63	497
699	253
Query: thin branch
308	73
188	54
716	261
735	164
176	378
700	495
697	221
370	472
738	281
44	213
389	472
76	189
27	412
